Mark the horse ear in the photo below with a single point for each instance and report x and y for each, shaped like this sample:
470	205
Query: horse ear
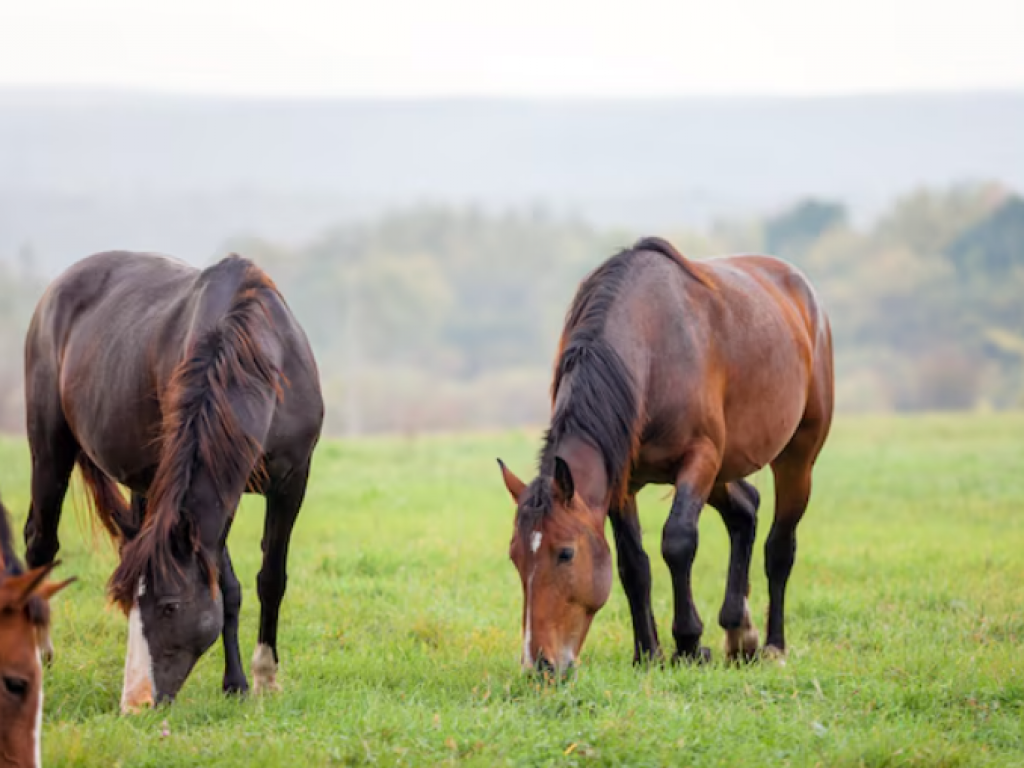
514	484
563	480
18	590
51	588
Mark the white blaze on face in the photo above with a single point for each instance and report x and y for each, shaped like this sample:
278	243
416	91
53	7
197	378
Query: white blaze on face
37	734
527	654
535	539
138	664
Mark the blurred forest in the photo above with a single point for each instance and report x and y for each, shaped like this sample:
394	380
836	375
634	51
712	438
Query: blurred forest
446	318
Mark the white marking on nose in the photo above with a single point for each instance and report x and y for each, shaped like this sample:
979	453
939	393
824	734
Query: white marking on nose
535	539
37	735
527	635
138	665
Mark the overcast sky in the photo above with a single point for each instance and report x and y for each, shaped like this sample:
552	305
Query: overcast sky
514	47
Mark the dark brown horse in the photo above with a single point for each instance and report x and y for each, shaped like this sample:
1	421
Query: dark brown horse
690	374
24	636
189	387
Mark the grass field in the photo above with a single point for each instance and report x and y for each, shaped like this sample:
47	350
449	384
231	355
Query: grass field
400	631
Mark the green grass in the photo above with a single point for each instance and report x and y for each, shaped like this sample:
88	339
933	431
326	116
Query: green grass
400	631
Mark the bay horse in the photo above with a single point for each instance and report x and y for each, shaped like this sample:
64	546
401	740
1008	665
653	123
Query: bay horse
683	373
189	388
24	633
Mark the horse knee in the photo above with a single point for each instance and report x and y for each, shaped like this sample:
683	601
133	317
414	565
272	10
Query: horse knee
679	543
270	586
232	598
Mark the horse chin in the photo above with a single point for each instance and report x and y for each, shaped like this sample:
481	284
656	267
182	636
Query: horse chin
170	679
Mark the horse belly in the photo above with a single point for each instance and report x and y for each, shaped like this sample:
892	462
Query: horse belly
112	423
760	429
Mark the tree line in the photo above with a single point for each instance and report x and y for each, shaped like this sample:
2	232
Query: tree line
447	318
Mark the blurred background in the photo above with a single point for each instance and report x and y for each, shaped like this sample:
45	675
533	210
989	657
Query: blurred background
427	182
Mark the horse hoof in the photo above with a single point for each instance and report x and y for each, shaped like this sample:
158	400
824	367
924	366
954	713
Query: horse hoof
264	671
649	660
239	688
698	658
774	654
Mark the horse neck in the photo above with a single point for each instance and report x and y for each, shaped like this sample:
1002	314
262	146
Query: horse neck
213	510
589	475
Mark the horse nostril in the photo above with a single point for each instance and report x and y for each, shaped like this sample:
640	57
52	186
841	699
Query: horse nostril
544	666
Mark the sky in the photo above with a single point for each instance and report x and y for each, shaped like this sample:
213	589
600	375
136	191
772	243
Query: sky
519	48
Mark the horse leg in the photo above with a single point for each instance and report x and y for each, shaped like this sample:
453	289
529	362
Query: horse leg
53	450
792	492
635	574
792	470
283	503
737	502
679	548
234	674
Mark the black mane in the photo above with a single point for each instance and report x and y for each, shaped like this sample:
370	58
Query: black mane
602	406
10	565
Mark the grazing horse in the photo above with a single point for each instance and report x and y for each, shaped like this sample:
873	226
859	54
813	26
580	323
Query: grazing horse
190	388
24	630
690	374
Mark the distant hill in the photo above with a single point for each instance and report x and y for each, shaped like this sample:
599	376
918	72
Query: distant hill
82	171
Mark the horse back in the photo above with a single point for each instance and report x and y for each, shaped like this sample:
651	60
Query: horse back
733	358
109	334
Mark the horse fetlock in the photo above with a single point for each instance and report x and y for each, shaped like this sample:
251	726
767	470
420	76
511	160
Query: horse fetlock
742	644
734	614
264	670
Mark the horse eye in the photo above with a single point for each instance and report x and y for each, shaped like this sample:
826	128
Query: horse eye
168	609
16	686
566	554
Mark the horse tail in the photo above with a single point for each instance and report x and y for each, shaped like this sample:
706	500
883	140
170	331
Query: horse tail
226	352
669	251
107	502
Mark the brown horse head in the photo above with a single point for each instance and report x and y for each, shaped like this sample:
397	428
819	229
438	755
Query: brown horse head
564	563
24	619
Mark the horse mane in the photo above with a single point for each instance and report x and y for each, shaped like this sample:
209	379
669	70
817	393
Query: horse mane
9	564
201	428
602	406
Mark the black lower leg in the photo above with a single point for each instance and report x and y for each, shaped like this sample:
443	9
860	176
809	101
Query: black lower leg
779	556
635	574
234	674
737	503
679	548
283	503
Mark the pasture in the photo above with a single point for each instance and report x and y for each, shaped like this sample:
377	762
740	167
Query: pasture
400	630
